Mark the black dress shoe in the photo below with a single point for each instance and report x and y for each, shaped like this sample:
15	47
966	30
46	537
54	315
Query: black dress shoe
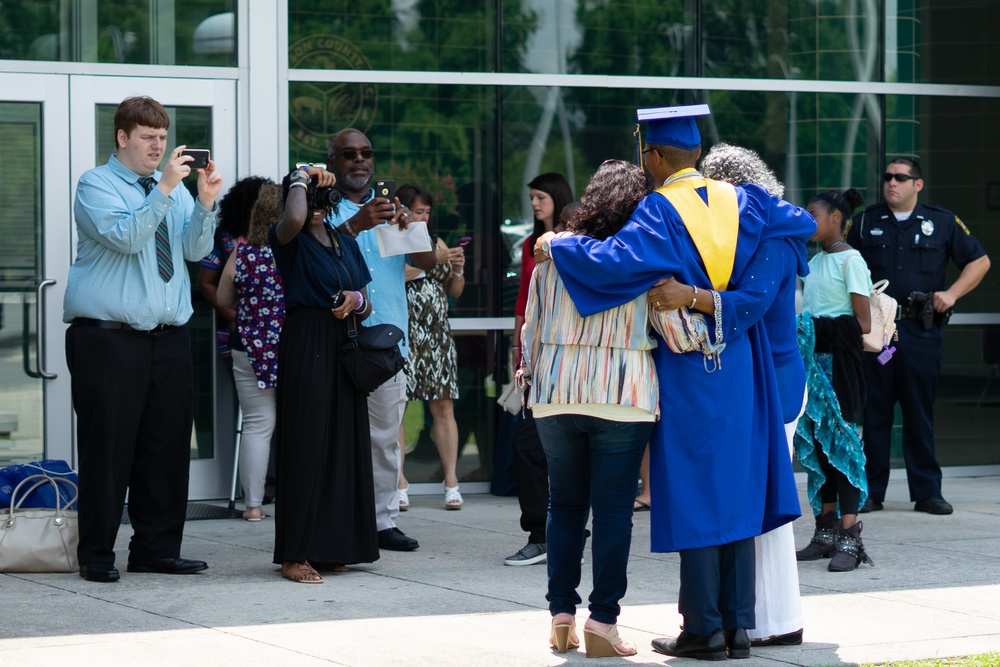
933	505
870	506
788	639
737	643
169	566
394	539
102	572
690	645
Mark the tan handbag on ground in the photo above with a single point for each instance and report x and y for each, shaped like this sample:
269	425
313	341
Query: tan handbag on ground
39	539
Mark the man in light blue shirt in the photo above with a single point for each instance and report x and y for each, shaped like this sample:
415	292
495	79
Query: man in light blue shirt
128	300
351	159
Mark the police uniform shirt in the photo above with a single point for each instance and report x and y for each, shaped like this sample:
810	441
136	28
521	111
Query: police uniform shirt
912	254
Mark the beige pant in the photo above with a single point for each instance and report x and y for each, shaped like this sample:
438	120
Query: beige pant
385	413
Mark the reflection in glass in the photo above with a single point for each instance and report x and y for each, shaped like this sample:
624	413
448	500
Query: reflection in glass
178	32
21	419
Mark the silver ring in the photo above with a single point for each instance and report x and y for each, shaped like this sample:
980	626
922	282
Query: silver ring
657	304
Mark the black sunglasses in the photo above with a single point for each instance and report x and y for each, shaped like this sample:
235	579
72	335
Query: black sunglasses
900	178
349	154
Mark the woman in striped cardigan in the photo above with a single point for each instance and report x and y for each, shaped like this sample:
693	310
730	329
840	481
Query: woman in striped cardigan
594	396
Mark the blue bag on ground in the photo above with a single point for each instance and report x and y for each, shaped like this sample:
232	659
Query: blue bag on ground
44	495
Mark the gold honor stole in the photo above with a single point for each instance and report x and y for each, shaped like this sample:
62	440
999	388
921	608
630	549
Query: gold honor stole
714	227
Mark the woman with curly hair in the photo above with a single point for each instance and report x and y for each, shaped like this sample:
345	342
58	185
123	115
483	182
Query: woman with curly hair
593	432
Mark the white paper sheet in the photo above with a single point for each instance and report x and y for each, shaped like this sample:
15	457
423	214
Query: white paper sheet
395	241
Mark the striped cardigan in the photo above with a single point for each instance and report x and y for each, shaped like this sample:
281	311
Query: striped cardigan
604	358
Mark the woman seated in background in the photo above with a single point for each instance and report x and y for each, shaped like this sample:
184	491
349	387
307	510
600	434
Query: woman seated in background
251	286
593	433
835	314
432	369
325	508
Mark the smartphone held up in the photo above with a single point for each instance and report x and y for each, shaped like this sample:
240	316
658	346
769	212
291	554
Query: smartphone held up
200	155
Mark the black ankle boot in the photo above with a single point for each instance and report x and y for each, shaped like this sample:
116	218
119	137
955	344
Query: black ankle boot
850	551
822	544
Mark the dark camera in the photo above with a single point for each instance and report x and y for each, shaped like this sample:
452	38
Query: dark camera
322	197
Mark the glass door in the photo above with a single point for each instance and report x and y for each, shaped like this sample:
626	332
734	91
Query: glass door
202	115
35	406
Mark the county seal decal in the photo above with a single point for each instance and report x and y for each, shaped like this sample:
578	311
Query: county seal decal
319	109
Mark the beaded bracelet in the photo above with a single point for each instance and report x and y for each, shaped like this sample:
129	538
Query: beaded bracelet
361	303
717	302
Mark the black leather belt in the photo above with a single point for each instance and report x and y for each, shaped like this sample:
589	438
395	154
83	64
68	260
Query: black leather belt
118	326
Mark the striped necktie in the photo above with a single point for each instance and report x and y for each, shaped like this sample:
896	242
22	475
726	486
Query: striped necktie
164	260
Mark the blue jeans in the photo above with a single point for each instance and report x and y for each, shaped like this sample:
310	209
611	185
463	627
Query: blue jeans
593	464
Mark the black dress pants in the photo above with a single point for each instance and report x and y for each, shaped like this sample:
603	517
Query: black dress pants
133	393
717	590
531	471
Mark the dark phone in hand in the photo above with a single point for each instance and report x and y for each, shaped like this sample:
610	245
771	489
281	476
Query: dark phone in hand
338	299
200	155
387	189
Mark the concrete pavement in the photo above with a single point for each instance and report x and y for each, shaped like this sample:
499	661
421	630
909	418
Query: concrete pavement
934	592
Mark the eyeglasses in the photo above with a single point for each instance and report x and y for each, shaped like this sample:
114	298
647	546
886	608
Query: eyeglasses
349	154
900	178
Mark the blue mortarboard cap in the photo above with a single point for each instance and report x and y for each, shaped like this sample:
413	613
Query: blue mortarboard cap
673	126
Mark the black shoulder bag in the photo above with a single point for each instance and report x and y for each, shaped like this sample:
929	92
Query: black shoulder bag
371	355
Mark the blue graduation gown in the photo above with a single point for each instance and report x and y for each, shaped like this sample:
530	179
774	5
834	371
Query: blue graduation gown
719	465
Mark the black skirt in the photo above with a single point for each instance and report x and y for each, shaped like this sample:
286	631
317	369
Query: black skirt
325	502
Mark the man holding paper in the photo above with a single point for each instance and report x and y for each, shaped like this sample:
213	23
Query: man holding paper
364	217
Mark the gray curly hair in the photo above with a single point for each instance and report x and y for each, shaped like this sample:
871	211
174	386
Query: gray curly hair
738	165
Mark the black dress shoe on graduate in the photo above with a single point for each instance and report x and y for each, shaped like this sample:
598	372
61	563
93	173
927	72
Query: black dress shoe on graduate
788	639
394	539
933	505
737	643
169	566
870	506
690	645
100	572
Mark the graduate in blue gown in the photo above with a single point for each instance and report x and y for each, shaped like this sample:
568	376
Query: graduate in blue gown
720	473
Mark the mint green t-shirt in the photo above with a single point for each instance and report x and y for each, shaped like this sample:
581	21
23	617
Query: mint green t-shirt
832	278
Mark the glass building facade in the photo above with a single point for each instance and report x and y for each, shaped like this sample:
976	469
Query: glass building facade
473	99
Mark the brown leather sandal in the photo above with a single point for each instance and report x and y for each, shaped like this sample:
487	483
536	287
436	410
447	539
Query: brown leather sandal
300	573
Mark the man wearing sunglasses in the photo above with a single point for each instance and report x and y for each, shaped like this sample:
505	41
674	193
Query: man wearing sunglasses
910	244
351	159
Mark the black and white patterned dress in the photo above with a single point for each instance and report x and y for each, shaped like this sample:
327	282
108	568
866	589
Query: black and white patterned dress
432	369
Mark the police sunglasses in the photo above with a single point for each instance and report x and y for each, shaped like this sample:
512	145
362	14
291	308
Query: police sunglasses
900	178
350	154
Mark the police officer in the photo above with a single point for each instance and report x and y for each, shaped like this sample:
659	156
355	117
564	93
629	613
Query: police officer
910	244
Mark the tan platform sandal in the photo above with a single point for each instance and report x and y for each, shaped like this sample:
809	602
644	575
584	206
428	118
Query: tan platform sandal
604	645
564	637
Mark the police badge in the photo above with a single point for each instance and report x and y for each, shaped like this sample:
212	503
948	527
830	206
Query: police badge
927	227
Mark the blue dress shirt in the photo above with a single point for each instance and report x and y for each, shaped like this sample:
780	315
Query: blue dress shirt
115	275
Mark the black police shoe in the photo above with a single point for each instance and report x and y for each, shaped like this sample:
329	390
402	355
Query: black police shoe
933	505
169	566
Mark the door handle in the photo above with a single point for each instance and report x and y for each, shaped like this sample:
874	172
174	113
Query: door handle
40	321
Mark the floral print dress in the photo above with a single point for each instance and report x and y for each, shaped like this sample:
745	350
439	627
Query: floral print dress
260	311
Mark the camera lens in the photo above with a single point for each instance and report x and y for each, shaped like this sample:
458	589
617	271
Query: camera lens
327	197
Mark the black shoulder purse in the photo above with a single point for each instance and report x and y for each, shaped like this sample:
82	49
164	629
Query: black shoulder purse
371	355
